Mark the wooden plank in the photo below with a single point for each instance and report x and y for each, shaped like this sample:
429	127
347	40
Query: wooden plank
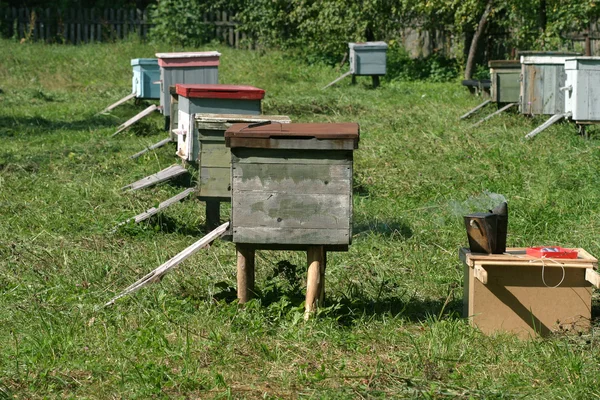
592	276
284	210
474	110
214	182
518	256
118	103
297	178
161	176
506	107
480	273
337	80
547	124
295	144
155	210
152	147
214	155
267	156
159	272
135	119
290	236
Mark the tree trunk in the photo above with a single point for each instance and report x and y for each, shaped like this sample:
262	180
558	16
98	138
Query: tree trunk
476	36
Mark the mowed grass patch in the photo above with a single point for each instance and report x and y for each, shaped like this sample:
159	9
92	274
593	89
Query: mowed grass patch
392	324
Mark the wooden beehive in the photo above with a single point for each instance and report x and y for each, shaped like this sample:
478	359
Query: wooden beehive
527	296
145	73
505	76
214	99
186	67
368	58
582	88
212	156
292	184
542	76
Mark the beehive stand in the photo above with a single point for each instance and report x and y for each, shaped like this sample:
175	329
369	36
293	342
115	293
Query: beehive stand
213	159
368	59
506	293
291	190
505	80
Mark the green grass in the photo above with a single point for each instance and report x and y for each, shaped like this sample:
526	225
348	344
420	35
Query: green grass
391	326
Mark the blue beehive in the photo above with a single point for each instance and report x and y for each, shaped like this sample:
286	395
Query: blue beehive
368	58
145	72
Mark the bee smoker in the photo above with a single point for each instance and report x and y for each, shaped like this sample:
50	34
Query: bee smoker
487	231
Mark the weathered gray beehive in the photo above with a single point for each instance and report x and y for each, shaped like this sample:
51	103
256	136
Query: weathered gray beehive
368	58
582	97
505	76
190	67
213	157
543	74
214	99
145	73
292	184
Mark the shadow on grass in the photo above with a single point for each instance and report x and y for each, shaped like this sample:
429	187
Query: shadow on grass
393	229
18	126
286	281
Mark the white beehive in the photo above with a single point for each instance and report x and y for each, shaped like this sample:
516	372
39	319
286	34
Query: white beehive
582	88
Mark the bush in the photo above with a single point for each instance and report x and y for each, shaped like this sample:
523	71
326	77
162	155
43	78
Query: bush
179	22
434	68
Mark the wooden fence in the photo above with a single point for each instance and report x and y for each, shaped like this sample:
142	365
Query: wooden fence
78	26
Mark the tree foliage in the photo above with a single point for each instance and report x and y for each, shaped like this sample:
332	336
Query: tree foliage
179	22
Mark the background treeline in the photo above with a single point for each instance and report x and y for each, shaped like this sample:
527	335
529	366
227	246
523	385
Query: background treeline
436	37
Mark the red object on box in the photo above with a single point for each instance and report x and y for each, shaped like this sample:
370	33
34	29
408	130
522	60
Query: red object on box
551	252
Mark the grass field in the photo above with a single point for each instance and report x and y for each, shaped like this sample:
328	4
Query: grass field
392	324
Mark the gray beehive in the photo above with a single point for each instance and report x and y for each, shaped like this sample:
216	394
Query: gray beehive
368	58
292	184
582	97
505	76
190	67
543	74
214	99
212	156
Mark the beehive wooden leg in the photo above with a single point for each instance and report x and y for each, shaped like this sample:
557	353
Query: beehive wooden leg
313	279
245	273
322	283
213	214
375	79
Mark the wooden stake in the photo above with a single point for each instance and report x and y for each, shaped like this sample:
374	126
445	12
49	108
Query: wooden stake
118	103
152	147
245	272
506	107
161	176
135	119
338	79
158	273
155	210
547	124
315	257
473	111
